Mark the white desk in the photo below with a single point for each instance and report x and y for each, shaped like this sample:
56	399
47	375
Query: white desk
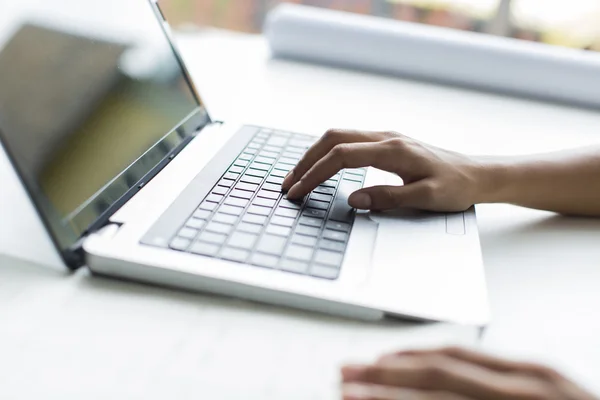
77	336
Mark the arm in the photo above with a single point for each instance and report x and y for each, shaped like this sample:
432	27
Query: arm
440	180
566	182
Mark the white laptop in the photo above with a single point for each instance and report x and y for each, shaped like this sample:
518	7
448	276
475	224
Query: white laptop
134	180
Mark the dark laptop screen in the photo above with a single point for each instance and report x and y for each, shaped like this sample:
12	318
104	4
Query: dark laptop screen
92	97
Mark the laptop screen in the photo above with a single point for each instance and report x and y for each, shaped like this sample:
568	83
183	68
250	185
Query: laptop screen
92	98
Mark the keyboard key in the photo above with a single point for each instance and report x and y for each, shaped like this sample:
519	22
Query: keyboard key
242	240
312	212
271	187
330	258
317	204
341	211
241	194
259	210
264	260
287	212
188	233
329	183
210	237
356	171
277	141
259	166
335	235
195	223
245	157
284	167
290	204
269	154
303	144
264	202
268	195
289	161
321	271
332	245
220	190
180	244
226	183
272	149
255	219
299	252
305	240
250	228
276	180
219	227
324	190
247	186
279	173
307	230
225	218
264	160
232	254
231	210
202	214
279	230
250	151
264	133
237	202
241	163
271	244
353	178
283	221
236	170
295	266
321	197
251	179
256	172
214	198
208	206
206	249
231	177
292	153
254	145
338	226
309	221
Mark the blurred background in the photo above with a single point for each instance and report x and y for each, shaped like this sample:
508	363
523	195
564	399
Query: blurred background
573	23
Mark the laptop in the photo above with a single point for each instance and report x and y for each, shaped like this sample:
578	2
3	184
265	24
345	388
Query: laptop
134	180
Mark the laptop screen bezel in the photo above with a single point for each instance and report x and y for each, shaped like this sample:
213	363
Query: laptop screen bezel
71	250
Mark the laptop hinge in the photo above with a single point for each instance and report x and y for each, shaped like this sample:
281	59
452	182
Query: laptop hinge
75	255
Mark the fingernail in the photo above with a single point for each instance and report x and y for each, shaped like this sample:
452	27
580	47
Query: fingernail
287	181
360	200
352	372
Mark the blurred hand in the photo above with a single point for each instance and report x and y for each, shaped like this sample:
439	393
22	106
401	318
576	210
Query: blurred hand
455	374
434	179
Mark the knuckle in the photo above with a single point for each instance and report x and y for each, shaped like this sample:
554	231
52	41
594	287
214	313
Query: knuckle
397	143
332	134
547	373
452	351
340	151
391	134
430	189
434	369
373	374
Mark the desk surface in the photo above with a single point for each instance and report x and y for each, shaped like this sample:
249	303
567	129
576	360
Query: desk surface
77	335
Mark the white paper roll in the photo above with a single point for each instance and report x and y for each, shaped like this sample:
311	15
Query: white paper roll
469	59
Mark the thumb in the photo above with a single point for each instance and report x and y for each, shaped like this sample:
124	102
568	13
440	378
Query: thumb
389	197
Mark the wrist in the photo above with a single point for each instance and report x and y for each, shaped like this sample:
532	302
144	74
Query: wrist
494	180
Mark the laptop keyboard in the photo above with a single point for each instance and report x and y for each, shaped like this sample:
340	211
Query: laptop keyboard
247	219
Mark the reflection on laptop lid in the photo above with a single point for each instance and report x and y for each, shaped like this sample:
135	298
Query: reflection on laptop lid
90	109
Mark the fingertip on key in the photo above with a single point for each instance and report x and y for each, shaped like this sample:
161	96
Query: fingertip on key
287	181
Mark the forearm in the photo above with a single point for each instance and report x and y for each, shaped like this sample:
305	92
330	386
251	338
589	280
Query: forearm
566	182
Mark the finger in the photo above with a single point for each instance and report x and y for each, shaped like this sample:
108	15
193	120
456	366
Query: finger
328	141
484	360
353	155
376	392
414	195
447	375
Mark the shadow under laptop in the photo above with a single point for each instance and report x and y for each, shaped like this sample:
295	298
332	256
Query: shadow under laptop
227	304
